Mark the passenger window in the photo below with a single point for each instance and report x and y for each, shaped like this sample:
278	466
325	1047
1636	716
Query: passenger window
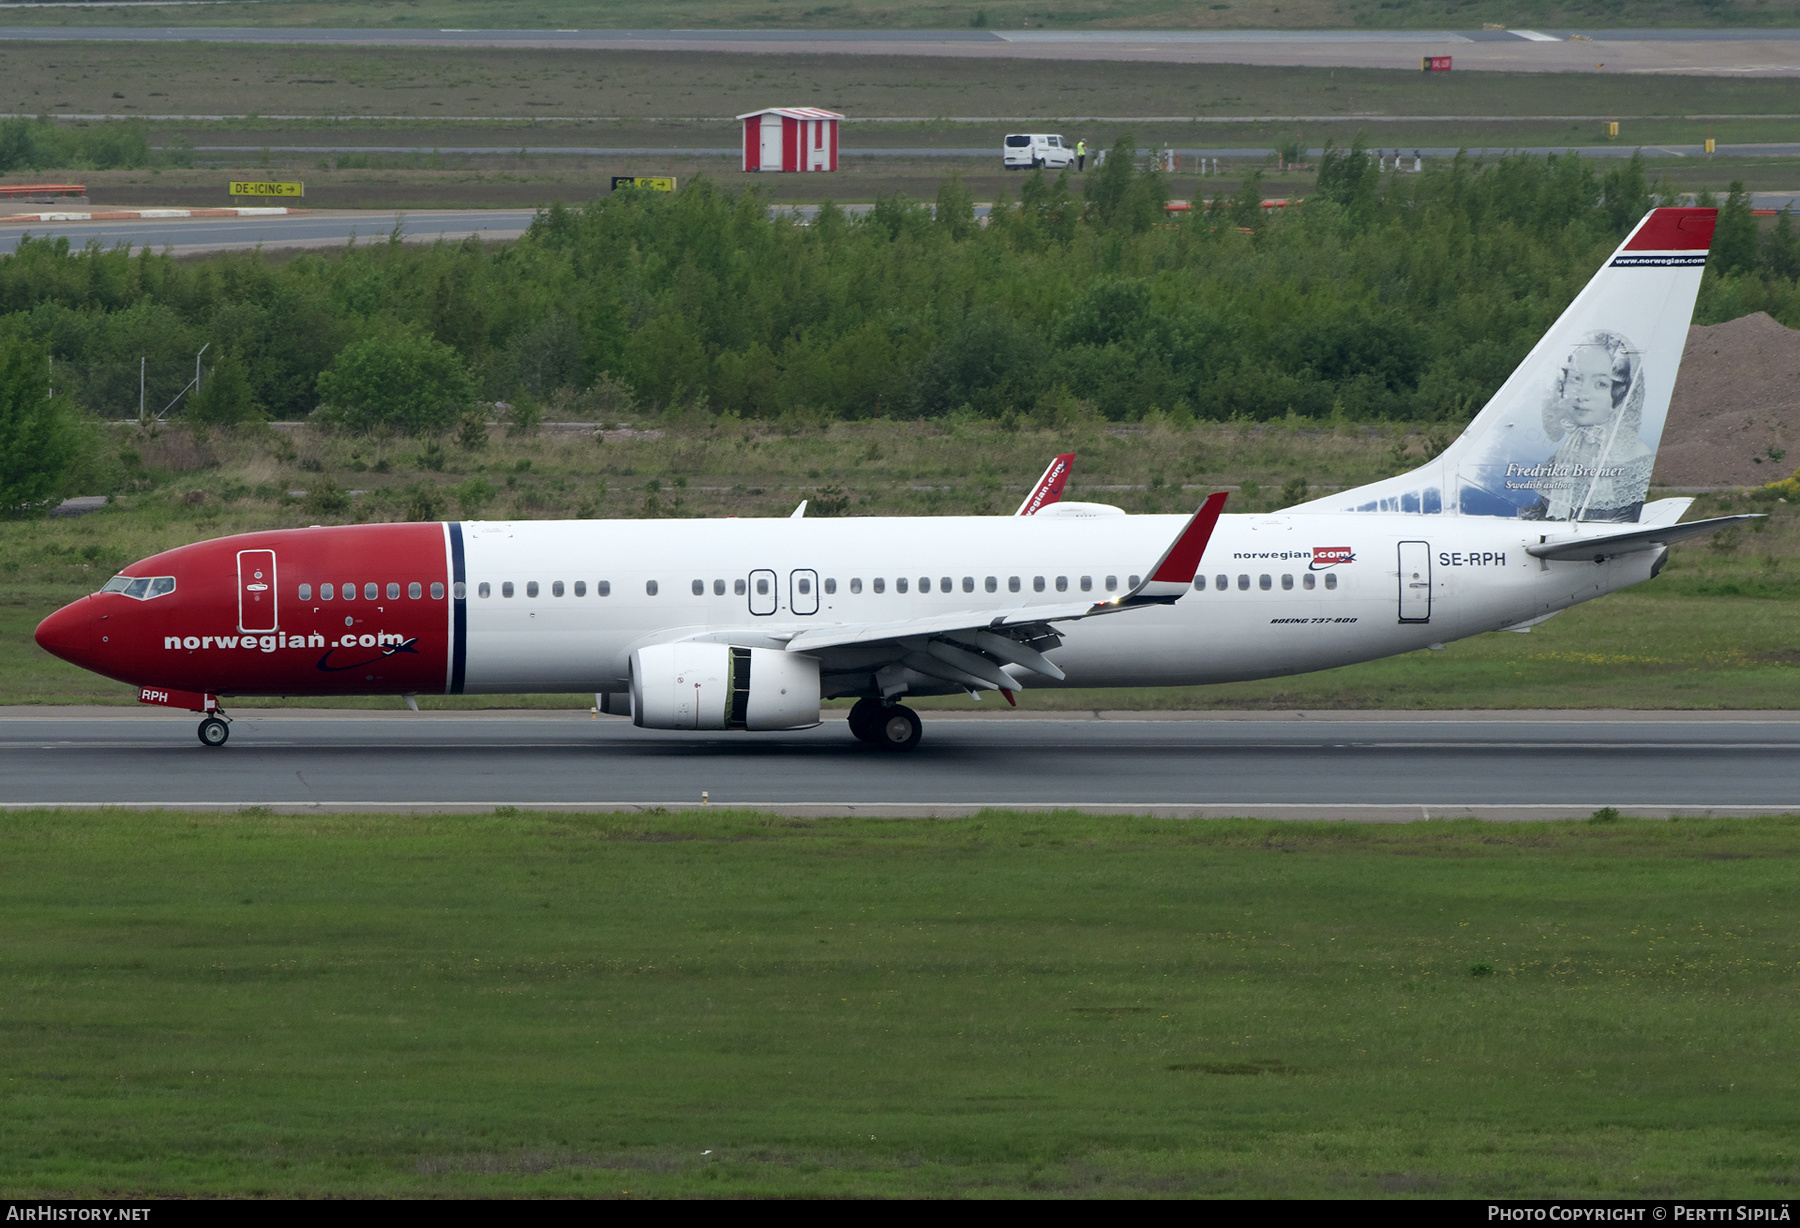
1087	584
1012	584
1308	580
437	591
484	590
879	584
372	592
1262	582
1062	584
325	592
991	584
603	588
1037	584
718	588
737	587
1112	583
900	585
306	592
416	591
969	584
1221	582
1199	583
556	588
349	592
699	587
762	586
506	589
830	586
1243	584
1287	582
393	591
856	584
459	590
1133	582
581	588
924	584
1330	580
531	588
805	585
650	588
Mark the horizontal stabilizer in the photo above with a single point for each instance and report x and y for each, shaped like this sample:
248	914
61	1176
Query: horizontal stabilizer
1605	546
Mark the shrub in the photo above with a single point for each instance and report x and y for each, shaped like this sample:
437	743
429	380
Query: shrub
399	380
39	440
225	398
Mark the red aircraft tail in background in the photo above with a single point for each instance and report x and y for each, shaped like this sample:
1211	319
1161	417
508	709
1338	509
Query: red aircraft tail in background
1049	488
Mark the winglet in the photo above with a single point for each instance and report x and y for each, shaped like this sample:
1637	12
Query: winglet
1174	572
1049	488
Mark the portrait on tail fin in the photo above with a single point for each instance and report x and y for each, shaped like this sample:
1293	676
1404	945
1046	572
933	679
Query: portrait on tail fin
1595	414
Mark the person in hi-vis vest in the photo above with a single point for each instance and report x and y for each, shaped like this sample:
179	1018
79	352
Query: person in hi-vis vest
1080	155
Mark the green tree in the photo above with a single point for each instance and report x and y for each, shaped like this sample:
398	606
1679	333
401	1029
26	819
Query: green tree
1781	250
955	212
399	380
39	440
1108	185
225	397
1734	240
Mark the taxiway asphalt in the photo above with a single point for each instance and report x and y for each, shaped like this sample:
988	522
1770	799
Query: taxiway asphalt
1543	766
185	237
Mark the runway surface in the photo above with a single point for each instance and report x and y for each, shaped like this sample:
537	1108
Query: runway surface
1560	766
1706	52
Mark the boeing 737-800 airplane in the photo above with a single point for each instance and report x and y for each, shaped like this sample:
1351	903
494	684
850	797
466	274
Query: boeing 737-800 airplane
749	624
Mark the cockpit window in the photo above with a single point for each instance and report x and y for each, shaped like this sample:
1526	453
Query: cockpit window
142	588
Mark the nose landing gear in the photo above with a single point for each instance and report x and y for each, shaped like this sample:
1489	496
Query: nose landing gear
214	731
889	726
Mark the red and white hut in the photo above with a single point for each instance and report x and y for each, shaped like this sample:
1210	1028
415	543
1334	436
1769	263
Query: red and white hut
791	139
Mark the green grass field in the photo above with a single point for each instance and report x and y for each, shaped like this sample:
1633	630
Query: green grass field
1044	1005
889	14
219	79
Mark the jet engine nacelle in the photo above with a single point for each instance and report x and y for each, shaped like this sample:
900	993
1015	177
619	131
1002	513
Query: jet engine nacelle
718	686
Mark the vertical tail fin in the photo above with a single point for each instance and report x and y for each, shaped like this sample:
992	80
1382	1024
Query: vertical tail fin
1049	488
1572	434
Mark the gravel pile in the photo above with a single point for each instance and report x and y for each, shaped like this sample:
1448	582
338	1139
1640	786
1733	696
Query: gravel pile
1735	416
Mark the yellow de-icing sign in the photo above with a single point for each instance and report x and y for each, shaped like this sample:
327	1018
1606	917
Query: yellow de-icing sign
268	189
650	183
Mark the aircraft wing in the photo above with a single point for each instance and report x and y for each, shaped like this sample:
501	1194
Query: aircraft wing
1049	488
1603	546
966	648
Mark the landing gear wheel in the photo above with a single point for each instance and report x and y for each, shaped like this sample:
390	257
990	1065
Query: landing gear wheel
214	732
898	729
865	717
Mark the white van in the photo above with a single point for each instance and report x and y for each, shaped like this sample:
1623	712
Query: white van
1024	150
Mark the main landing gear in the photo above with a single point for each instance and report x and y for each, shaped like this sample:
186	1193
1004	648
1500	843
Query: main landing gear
214	731
889	726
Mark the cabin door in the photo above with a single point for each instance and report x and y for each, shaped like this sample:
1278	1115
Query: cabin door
256	590
1415	582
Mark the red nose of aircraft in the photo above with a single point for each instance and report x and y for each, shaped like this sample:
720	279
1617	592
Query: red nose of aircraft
69	633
